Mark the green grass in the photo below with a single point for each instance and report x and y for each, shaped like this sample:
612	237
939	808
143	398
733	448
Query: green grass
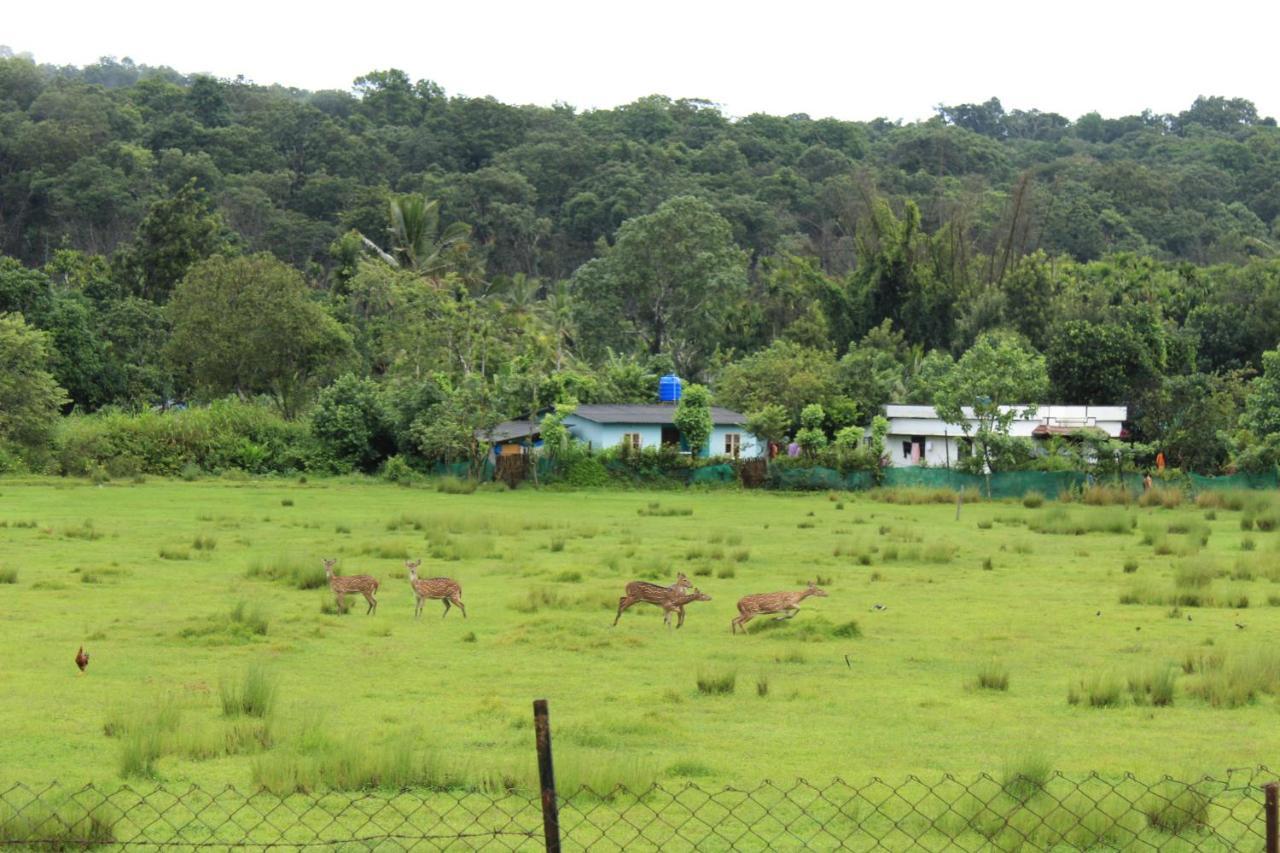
890	692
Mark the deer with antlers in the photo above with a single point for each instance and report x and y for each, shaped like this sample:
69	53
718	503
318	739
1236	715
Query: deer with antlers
366	585
787	603
652	593
447	590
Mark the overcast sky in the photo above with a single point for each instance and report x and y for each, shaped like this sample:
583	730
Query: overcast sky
852	60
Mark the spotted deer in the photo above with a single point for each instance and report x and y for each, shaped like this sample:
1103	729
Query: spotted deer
676	602
751	606
366	585
447	590
651	593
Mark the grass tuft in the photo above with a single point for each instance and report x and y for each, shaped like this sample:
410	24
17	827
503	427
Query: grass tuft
993	675
253	696
715	682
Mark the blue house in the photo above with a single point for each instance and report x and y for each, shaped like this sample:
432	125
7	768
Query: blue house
642	425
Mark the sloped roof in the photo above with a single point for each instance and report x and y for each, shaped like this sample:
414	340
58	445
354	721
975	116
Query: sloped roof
649	413
508	430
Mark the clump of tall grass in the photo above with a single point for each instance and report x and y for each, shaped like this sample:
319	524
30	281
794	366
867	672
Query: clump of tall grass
1101	690
450	485
174	553
1195	573
1026	777
939	552
1175	807
204	543
1130	566
1152	686
557	544
1105	494
726	572
1033	500
914	495
656	509
714	682
290	570
993	675
64	826
324	766
540	598
568	577
1063	522
1239	679
1161	496
8	575
85	531
762	685
253	696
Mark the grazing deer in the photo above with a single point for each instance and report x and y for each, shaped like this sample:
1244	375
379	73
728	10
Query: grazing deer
638	591
446	589
772	602
675	604
366	585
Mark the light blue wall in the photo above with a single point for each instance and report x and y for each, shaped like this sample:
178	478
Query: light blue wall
601	436
749	448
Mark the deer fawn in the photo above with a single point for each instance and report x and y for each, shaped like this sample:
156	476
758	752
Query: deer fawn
651	593
772	602
676	602
366	585
446	589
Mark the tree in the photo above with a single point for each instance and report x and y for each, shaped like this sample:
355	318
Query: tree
872	373
1262	405
247	325
669	285
177	232
418	242
453	429
29	396
693	418
998	380
770	424
785	374
353	422
810	436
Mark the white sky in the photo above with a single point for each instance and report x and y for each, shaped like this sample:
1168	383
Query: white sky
852	60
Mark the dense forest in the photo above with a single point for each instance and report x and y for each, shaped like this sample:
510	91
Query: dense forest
389	268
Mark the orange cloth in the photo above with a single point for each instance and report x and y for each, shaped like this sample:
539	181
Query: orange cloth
1160	461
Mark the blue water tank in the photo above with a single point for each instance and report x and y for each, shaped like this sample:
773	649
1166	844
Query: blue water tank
669	388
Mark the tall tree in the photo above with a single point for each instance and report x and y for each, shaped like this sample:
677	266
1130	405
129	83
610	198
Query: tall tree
29	396
248	325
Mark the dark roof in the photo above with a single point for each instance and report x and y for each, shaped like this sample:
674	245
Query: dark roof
508	430
650	413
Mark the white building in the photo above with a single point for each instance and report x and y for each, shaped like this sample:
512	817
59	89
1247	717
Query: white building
918	436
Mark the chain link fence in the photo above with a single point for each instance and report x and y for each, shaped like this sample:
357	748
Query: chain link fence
984	812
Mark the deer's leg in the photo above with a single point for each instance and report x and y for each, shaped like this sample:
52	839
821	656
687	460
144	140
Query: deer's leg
623	604
373	603
680	621
342	602
417	610
457	602
445	601
742	621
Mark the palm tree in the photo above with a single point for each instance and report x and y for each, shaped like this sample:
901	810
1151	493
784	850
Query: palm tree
417	241
557	309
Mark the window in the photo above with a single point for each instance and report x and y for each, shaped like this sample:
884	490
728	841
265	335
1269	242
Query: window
631	440
732	444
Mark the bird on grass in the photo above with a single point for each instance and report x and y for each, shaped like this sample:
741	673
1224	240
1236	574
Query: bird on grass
82	660
879	607
1241	627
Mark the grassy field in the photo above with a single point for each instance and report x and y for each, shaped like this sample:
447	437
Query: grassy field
976	644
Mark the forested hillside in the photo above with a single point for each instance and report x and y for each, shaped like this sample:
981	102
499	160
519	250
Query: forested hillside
448	261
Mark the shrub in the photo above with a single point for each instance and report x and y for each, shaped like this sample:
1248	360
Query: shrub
1033	500
712	682
993	676
8	575
1152	686
1247	544
292	571
586	472
1027	777
985	524
1130	566
1246	523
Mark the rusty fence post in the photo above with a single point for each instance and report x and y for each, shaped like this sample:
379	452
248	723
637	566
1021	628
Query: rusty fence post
546	777
1273	817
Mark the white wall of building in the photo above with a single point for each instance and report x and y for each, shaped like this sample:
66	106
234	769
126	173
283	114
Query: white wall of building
939	443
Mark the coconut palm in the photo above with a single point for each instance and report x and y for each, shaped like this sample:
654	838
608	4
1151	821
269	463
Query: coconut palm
417	241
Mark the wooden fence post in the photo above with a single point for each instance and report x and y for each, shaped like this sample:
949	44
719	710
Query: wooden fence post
546	777
1273	817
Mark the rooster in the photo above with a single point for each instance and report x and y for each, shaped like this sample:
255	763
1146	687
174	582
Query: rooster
82	659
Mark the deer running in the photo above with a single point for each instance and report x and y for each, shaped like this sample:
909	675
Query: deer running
447	590
366	585
652	593
751	606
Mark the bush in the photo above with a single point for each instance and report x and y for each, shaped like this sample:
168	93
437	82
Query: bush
8	575
451	485
228	434
1033	500
353	424
586	472
291	570
1130	566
